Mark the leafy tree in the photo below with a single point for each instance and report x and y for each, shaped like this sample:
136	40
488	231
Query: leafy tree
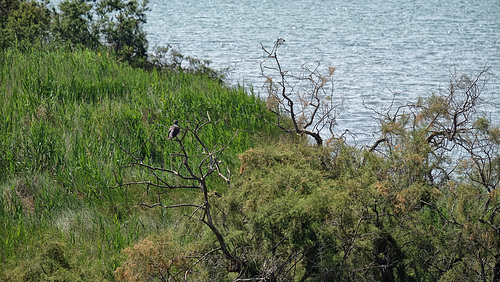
24	22
75	23
275	213
119	22
116	24
292	218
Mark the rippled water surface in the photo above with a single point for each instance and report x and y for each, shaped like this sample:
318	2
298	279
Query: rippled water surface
378	47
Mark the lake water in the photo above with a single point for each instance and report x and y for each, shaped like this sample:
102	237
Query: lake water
377	47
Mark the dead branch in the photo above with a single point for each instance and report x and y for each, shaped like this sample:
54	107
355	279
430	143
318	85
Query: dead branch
192	172
302	99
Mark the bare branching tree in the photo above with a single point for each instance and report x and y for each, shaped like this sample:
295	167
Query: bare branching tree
452	127
305	99
189	172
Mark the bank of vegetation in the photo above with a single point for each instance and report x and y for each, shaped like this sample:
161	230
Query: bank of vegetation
249	190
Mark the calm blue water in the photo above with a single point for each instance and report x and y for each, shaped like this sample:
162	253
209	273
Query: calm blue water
378	47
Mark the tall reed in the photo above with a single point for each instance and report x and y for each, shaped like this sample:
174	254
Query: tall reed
64	111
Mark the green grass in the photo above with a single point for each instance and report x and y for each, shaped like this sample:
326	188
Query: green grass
60	111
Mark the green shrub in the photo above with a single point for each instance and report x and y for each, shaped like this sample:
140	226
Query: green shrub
24	23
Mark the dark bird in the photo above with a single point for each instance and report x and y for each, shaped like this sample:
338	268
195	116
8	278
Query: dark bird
173	131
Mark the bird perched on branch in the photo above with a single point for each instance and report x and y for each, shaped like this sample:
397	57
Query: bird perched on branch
173	130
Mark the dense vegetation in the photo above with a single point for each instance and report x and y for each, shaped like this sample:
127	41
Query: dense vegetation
91	190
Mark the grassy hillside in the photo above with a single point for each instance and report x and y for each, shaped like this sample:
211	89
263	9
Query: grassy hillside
83	144
60	112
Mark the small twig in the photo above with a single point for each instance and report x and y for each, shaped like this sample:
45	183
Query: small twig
200	259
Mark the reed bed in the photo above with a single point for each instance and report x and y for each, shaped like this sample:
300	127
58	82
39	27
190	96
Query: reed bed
61	110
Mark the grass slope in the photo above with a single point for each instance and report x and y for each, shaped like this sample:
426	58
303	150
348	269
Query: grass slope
60	110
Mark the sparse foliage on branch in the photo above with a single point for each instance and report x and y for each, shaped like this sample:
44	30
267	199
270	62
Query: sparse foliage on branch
447	131
306	99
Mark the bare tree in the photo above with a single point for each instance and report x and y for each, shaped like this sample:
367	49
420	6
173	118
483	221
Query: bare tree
190	172
305	99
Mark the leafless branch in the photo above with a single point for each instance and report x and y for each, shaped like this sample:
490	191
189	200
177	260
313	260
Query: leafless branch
192	172
302	99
